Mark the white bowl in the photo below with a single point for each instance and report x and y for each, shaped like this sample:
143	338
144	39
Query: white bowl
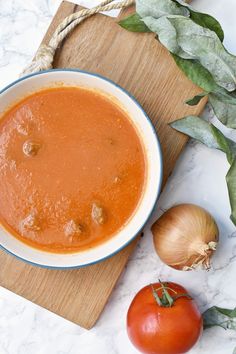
35	82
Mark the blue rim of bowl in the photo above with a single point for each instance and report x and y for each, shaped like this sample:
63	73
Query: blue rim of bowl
161	168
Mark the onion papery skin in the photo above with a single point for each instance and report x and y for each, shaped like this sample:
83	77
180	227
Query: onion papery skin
185	237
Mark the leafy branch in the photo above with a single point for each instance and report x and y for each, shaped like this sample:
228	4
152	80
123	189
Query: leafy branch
194	40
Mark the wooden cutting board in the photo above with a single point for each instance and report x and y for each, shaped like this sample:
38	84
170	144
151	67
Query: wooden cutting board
142	66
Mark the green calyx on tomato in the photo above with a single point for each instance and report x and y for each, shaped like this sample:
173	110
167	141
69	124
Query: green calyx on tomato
166	300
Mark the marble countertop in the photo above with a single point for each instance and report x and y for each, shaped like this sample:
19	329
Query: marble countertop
198	178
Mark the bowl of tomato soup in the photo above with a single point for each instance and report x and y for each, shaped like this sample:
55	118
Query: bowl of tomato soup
80	168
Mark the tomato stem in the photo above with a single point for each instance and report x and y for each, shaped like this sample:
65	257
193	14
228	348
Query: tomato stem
166	300
168	288
154	292
168	297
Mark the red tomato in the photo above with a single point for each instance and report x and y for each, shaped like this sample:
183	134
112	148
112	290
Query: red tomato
155	329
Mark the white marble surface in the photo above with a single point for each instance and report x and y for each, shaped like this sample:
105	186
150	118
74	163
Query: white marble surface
198	177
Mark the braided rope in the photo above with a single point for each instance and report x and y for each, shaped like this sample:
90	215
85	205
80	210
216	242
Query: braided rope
44	57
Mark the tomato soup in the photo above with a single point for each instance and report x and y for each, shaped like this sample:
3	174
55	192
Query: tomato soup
72	169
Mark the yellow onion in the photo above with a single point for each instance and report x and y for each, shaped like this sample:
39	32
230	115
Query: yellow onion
185	237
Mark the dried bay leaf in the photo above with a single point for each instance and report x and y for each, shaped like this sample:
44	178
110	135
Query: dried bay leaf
160	8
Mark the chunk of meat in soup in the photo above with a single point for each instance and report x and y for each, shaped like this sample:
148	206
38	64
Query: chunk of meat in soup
98	214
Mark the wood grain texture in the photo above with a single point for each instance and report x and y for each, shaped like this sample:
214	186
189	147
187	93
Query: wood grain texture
142	66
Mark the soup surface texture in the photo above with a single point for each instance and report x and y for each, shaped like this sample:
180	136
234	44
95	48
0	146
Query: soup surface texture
72	169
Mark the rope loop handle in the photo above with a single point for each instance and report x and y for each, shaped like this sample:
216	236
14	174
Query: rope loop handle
44	57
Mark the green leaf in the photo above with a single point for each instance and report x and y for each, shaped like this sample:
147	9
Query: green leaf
196	128
159	8
226	145
224	109
204	20
204	46
166	34
217	316
196	99
231	184
227	312
225	96
207	134
207	21
196	73
234	352
134	23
